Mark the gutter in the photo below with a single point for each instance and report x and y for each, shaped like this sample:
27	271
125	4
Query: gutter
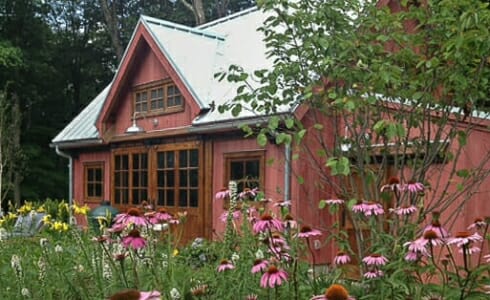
287	173
70	181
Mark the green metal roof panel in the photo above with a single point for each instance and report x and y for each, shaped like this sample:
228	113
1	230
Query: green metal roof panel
82	127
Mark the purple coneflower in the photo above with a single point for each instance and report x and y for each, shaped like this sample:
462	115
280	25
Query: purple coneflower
470	250
307	232
289	222
437	228
132	216
334	292
418	246
341	258
235	216
392	185
136	295
223	194
412	256
134	240
225	265
283	203
248	193
267	222
414	187
334	201
273	277
260	265
199	290
375	260
404	210
464	238
252	297
479	223
368	208
161	216
117	228
373	274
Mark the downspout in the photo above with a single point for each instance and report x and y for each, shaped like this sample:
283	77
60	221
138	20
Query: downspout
70	181
287	173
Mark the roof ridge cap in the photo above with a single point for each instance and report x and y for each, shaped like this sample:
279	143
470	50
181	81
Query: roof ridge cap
228	18
184	28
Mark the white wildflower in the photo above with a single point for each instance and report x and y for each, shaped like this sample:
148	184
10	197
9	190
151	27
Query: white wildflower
58	249
79	268
25	292
43	242
41	263
16	266
174	294
106	271
259	254
235	257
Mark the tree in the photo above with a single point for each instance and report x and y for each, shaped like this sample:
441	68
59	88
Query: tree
391	92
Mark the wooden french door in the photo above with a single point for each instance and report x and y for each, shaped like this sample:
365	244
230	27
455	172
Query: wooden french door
169	176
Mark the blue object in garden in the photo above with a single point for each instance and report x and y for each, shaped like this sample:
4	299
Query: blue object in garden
102	213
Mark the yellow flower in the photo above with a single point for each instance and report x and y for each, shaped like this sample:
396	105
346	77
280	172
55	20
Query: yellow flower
11	216
40	209
60	226
81	210
176	252
47	219
26	208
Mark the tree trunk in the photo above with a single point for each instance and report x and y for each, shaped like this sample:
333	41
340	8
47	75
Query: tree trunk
111	22
197	9
16	132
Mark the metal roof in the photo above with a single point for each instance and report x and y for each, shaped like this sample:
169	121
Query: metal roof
82	127
196	54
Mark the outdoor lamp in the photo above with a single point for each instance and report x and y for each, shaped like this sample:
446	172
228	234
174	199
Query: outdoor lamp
134	128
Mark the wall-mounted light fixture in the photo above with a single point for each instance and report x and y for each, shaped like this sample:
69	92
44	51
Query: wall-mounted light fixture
134	128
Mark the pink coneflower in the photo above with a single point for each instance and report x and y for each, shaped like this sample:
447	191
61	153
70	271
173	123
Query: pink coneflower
117	228
252	297
373	274
404	210
161	216
307	232
267	222
368	208
392	185
248	193
334	292
479	223
375	260
470	250
437	228
334	201
260	265
414	187
412	256
487	257
132	216
223	194
283	203
341	258
199	290
464	238
273	277
136	295
235	216
418	246
225	265
134	240
289	222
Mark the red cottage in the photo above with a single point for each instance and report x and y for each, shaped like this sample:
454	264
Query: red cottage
153	134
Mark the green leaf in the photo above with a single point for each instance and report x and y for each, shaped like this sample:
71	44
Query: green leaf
322	204
289	122
236	110
262	139
463	173
301	180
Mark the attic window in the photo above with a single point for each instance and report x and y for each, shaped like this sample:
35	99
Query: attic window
160	97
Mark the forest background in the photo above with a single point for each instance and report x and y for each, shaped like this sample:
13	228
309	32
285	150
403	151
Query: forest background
55	57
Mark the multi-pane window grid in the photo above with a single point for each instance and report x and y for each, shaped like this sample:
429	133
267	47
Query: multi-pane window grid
131	178
178	178
159	98
94	181
246	172
121	179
